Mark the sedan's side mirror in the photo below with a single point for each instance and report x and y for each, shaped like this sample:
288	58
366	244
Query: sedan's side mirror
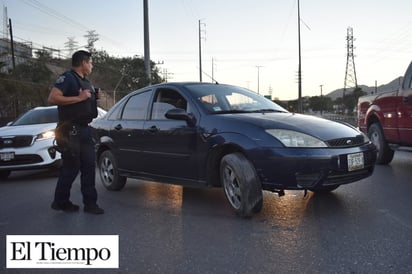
181	114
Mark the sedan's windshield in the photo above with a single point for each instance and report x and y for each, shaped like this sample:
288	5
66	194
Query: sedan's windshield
37	116
230	99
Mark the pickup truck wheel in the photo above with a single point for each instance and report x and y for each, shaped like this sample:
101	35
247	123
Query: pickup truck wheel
109	173
385	153
241	184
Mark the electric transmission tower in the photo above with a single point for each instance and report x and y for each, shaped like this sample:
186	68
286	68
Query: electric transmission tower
71	45
92	37
350	74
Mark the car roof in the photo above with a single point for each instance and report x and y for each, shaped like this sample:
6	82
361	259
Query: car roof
44	107
185	83
177	84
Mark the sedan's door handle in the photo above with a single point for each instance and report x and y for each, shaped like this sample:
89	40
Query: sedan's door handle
118	127
406	100
153	129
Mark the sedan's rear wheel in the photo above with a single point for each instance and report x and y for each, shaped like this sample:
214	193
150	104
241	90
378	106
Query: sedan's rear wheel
109	173
241	184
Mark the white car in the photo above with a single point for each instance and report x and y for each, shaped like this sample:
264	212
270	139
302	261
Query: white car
28	142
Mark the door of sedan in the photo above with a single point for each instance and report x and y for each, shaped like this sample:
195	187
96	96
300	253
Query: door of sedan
170	146
127	132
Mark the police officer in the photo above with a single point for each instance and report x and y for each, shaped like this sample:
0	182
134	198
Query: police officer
76	100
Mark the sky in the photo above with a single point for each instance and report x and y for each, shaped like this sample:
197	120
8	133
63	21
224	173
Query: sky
249	43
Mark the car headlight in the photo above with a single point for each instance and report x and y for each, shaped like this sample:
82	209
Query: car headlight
45	135
290	138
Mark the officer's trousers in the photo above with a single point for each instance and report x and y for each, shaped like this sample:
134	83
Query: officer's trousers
83	160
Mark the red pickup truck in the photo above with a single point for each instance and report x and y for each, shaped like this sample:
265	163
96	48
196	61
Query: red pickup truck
387	118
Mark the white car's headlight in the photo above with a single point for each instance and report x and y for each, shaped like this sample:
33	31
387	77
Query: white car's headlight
45	135
290	138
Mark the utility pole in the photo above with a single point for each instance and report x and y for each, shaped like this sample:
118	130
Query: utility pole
200	54
300	107
321	99
12	45
166	74
200	50
258	79
213	69
146	41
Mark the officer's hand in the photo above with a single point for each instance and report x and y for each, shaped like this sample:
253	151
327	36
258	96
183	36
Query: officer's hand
84	94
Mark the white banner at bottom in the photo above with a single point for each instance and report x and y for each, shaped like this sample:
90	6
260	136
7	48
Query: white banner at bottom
62	251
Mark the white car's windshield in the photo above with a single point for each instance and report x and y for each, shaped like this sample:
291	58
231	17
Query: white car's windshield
37	116
229	99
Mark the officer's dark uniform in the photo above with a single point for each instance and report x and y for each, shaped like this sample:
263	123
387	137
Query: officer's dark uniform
78	115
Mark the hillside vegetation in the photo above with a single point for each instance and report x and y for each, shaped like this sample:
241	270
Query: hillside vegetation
29	84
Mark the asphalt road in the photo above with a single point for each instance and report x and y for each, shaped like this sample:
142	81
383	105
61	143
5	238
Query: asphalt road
364	227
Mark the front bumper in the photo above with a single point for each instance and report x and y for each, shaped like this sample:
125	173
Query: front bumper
39	155
286	168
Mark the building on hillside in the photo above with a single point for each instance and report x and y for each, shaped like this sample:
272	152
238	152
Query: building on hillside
22	53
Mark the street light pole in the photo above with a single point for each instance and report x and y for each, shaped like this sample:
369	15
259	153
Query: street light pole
200	52
146	41
300	108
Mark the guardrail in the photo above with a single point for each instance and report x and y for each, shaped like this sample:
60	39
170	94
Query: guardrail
350	119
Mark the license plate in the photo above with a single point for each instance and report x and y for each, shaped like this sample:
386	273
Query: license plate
355	161
7	156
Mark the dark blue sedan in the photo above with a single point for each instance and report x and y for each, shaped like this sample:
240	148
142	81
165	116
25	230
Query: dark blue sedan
221	135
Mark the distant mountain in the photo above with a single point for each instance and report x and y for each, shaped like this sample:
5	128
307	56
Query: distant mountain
394	85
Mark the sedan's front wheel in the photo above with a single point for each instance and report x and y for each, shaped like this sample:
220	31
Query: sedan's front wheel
109	173
241	184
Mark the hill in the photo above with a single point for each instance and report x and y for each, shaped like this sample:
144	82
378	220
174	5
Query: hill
393	85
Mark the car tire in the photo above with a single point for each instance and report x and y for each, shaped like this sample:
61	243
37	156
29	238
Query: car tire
385	153
4	174
109	172
241	184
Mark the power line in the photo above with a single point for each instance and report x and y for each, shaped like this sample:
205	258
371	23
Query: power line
53	13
